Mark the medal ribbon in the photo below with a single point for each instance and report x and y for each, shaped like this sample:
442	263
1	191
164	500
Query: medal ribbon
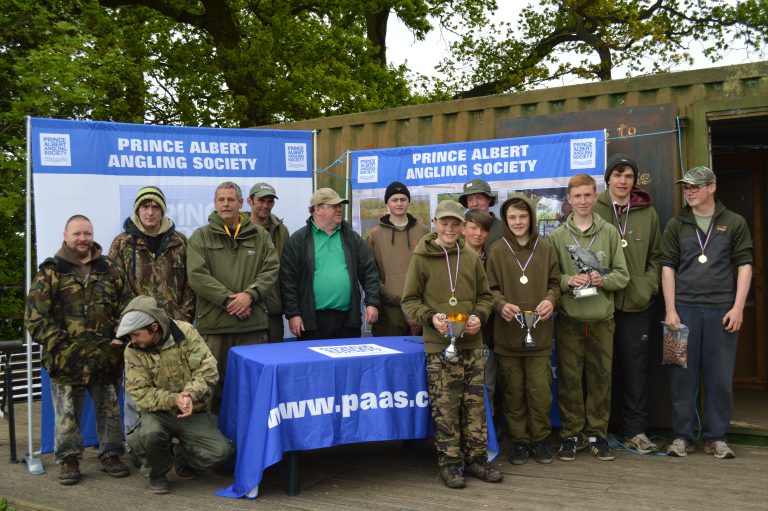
618	219
237	231
706	240
577	241
451	282
522	267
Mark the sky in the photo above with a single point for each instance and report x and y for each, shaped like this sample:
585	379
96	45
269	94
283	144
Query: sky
423	56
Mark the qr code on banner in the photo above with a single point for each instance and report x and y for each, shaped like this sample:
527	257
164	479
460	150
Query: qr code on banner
55	150
583	153
368	169
295	157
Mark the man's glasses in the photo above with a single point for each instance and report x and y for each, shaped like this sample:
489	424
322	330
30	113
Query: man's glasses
693	188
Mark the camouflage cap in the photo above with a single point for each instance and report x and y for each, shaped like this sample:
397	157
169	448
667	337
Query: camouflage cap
326	196
477	186
449	208
698	176
262	190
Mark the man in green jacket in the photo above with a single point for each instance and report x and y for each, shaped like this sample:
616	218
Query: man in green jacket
323	267
629	209
73	307
478	195
170	374
261	199
232	265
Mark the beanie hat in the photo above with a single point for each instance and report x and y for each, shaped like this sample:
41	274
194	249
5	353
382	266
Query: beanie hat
620	159
152	193
394	188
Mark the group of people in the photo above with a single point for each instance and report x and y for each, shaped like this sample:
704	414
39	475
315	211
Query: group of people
129	316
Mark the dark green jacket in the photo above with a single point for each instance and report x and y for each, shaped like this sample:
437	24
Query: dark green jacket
278	233
219	266
297	268
75	319
643	250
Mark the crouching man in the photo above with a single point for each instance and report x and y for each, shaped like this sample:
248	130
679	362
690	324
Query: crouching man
170	374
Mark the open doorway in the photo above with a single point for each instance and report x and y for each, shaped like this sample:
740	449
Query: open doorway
739	145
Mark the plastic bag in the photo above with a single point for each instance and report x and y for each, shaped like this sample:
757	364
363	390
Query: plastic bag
675	346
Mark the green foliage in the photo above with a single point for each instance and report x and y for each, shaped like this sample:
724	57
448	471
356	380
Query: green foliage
4	506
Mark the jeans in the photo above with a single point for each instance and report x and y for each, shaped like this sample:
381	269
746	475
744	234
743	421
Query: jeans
711	355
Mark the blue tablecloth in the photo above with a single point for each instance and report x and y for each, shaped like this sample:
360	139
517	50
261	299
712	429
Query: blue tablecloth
288	397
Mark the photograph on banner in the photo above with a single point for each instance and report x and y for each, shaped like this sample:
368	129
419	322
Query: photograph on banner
538	167
96	168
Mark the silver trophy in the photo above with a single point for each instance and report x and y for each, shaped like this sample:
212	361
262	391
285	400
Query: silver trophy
528	321
586	262
456	324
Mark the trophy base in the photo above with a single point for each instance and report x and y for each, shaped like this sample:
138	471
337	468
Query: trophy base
584	292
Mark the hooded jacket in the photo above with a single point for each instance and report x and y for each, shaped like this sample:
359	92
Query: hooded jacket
427	290
162	275
179	361
643	250
297	270
72	311
712	284
392	248
218	266
607	248
543	272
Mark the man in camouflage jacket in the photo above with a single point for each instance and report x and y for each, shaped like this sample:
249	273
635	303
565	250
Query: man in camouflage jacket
170	374
72	311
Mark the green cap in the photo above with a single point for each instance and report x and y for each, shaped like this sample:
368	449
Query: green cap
698	176
449	208
262	190
477	186
326	196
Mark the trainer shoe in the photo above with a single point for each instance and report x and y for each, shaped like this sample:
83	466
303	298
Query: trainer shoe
114	467
600	449
641	444
483	471
679	448
567	450
70	471
452	476
519	453
158	485
541	452
719	449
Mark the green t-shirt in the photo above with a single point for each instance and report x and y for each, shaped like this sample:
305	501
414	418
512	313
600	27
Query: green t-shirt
332	288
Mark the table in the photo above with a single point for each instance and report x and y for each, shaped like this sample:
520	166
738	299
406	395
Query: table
303	395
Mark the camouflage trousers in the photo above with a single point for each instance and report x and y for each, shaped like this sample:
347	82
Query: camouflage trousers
200	447
584	351
458	407
391	322
526	389
219	345
68	409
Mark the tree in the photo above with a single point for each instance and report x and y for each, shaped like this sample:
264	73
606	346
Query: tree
589	39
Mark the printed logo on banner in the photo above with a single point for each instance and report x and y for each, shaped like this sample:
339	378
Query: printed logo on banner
295	157
368	169
55	150
187	206
583	153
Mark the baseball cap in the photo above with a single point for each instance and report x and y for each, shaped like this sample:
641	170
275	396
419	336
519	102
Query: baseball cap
262	190
698	176
449	208
477	186
326	196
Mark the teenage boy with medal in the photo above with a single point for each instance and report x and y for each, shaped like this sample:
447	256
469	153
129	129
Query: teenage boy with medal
584	326
444	277
700	248
524	276
629	209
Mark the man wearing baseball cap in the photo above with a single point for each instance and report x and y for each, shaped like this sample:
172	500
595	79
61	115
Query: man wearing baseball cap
478	195
700	247
324	264
261	199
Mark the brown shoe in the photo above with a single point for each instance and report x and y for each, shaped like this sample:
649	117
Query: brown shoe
114	467
452	476
70	472
484	471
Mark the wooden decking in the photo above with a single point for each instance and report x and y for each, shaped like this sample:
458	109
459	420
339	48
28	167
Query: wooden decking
387	476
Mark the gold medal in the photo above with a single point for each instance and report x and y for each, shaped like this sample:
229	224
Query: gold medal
453	301
523	279
624	243
702	259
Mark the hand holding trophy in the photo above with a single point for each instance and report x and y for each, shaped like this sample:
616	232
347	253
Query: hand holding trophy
586	262
528	320
456	324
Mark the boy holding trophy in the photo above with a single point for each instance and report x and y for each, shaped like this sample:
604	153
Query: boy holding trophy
524	277
593	267
446	290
